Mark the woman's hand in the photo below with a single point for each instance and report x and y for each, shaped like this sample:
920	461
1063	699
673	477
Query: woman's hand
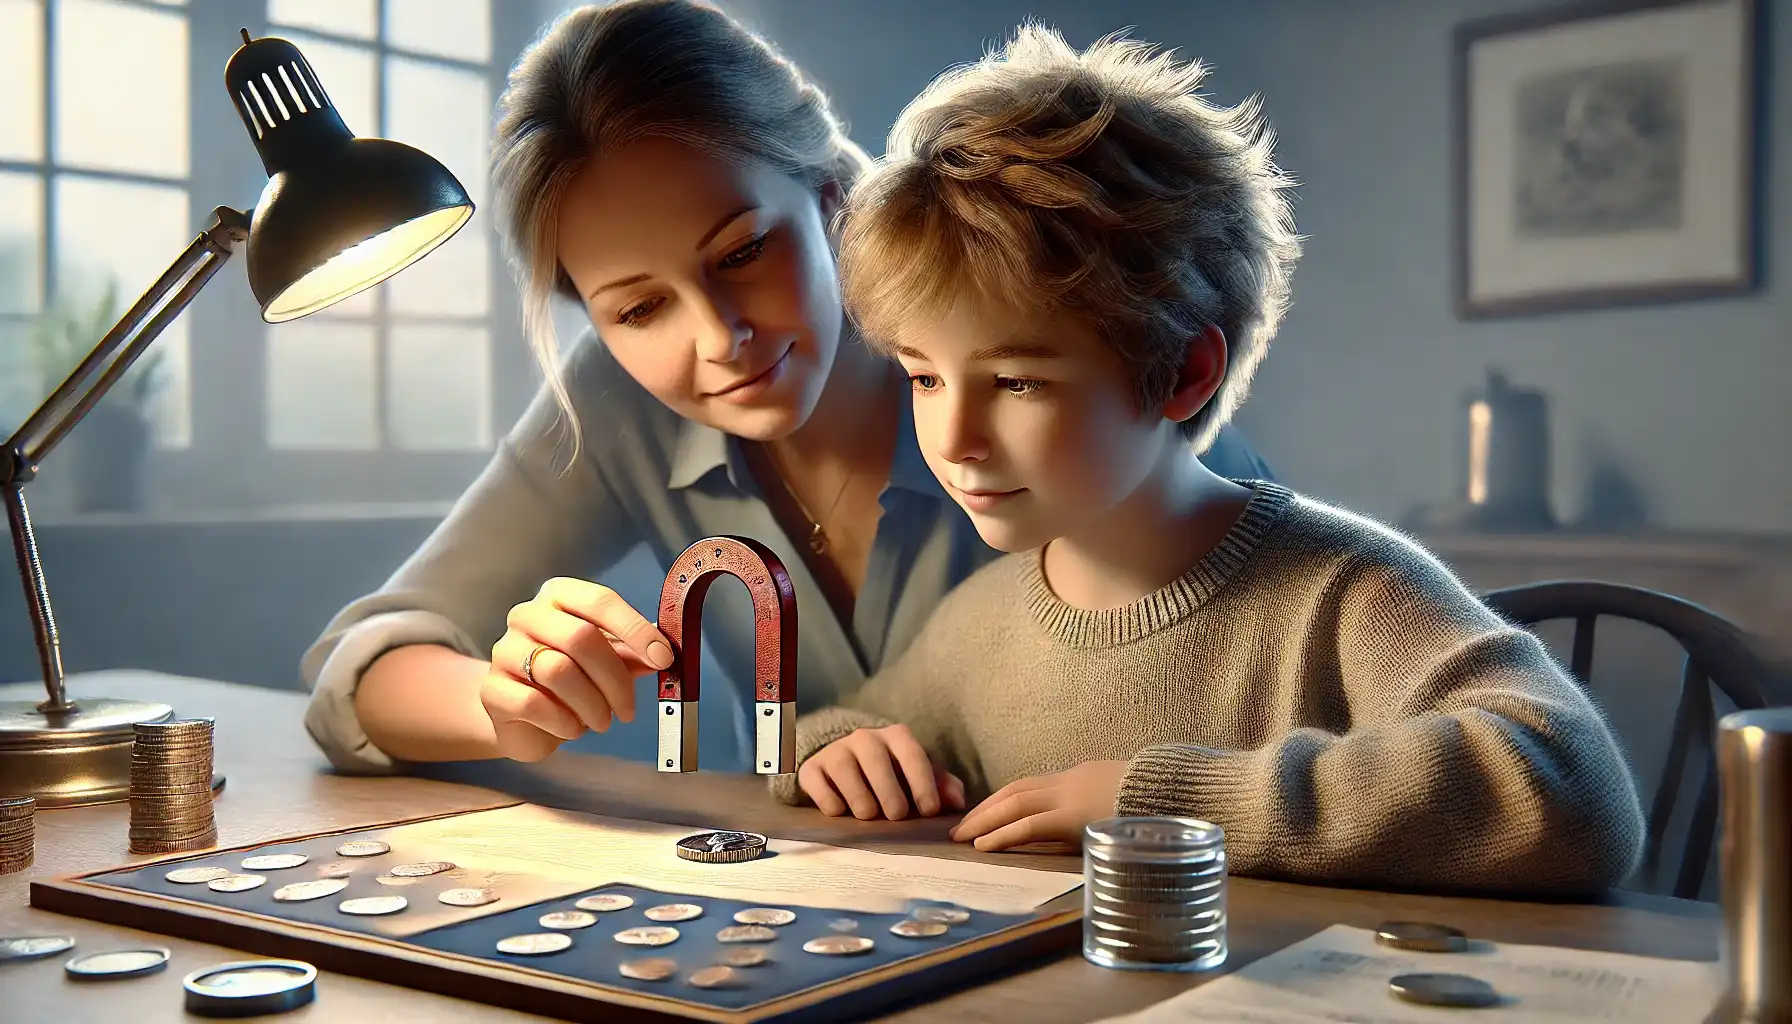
865	772
587	646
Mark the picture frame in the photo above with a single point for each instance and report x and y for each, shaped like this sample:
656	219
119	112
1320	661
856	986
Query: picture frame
1607	153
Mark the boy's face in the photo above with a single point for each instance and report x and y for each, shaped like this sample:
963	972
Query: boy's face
1033	428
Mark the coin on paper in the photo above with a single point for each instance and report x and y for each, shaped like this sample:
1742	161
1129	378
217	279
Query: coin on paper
719	976
373	906
317	888
539	944
649	936
421	869
669	912
605	902
274	861
1455	990
912	929
362	848
568	920
193	876
839	945
236	883
743	956
1421	936
466	897
746	933
652	968
776	917
944	915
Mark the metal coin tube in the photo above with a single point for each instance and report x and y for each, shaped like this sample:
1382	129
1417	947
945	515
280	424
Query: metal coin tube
1754	759
1154	894
774	651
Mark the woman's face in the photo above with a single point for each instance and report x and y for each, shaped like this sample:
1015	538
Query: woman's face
713	284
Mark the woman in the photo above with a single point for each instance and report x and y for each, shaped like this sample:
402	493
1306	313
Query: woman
662	165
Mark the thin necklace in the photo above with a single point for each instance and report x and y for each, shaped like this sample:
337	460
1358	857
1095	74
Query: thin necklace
818	537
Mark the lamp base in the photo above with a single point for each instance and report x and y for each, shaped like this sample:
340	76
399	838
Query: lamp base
73	759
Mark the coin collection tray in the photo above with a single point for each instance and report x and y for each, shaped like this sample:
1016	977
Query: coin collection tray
461	958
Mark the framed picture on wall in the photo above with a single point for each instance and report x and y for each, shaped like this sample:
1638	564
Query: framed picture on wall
1605	155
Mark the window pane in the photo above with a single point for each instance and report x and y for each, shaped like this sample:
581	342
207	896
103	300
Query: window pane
446	112
20	389
121	87
347	74
110	232
439	392
358	19
22	79
21	242
461	29
320	387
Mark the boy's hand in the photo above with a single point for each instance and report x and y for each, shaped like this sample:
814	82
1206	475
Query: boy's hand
1048	808
866	771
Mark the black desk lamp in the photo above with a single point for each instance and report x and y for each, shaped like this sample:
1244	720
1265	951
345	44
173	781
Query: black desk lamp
339	215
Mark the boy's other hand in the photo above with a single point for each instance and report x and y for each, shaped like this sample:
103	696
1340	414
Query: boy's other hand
866	772
1046	808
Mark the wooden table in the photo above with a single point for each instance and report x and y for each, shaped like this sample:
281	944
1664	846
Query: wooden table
280	786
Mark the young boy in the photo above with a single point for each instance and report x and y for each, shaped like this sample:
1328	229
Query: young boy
1080	263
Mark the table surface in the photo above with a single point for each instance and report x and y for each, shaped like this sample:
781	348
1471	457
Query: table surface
279	786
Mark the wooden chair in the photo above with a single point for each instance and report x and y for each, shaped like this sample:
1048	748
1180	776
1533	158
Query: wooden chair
1717	654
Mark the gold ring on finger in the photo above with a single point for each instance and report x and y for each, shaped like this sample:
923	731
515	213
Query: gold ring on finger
529	663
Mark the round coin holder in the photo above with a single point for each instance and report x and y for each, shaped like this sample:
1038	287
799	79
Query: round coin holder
1154	894
250	988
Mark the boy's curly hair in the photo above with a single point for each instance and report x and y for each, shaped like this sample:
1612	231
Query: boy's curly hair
1097	185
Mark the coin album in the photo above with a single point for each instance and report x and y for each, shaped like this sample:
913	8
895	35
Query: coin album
461	958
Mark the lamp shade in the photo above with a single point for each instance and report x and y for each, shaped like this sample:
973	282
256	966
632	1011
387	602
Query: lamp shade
339	214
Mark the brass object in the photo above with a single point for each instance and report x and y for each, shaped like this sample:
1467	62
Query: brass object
1754	759
73	758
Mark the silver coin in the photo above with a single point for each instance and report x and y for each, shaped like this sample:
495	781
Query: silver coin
193	876
648	936
421	869
118	963
539	944
336	869
236	883
274	861
317	888
394	880
568	920
651	968
466	897
605	902
30	947
913	929
669	912
1421	936
776	917
373	906
843	925
743	956
719	976
362	848
1455	990
839	945
944	915
746	933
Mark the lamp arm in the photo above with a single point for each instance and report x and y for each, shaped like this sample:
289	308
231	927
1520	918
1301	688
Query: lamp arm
59	413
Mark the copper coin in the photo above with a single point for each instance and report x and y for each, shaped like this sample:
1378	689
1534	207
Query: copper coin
362	848
667	913
944	915
236	883
373	906
274	861
912	929
466	897
652	968
776	917
719	976
193	876
839	945
317	888
743	956
568	920
746	933
421	869
649	936
605	902
539	944
1421	936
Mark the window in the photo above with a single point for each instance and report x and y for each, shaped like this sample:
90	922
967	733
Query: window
93	182
406	365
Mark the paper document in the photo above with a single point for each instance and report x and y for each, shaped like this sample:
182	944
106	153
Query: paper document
540	849
1341	975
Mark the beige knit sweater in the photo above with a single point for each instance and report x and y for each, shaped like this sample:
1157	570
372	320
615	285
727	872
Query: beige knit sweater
1317	685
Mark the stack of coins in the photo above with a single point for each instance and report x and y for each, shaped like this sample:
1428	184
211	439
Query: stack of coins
171	787
17	833
1154	894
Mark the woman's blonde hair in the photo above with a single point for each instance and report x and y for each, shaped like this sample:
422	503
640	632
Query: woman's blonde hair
604	75
1098	185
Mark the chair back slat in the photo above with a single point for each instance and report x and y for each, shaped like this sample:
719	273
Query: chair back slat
1581	661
